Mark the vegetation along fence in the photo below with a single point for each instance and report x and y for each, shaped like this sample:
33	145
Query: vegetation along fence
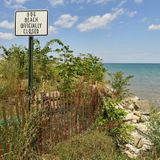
53	117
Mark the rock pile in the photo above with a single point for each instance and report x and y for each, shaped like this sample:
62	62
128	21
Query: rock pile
140	141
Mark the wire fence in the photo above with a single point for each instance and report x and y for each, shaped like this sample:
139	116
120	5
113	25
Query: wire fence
58	116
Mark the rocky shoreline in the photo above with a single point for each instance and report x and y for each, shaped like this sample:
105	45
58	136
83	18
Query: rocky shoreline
137	116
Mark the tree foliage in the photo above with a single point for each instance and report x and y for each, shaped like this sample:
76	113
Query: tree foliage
55	68
154	129
119	85
113	120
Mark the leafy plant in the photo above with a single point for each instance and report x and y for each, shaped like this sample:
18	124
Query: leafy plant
154	129
90	67
112	118
13	68
119	85
54	68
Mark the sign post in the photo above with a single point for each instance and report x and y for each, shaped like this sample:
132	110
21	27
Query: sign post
31	23
30	74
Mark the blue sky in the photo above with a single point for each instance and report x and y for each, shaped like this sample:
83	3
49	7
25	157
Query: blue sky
115	30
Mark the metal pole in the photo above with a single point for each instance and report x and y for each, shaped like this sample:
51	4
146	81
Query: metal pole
30	73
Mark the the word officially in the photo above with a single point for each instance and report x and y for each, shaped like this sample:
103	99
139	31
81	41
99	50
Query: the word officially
31	23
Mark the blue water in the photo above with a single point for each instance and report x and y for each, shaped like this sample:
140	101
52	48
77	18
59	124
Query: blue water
146	81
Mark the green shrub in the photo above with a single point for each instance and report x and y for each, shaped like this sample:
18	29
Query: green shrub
53	69
119	84
154	130
113	120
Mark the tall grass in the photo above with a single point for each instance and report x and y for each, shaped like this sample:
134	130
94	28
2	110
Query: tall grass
91	145
22	141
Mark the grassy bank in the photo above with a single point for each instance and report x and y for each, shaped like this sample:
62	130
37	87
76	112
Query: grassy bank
91	145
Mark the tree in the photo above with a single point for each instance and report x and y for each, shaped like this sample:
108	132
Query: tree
55	67
119	84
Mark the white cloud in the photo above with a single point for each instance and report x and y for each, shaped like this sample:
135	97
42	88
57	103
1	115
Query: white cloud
61	2
7	25
131	13
52	29
91	1
18	6
154	27
21	1
77	1
122	2
56	2
15	4
102	1
138	1
8	2
99	21
66	21
6	36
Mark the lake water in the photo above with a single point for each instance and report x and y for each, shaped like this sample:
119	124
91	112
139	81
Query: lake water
146	81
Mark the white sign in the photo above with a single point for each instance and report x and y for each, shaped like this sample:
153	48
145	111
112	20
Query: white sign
31	23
